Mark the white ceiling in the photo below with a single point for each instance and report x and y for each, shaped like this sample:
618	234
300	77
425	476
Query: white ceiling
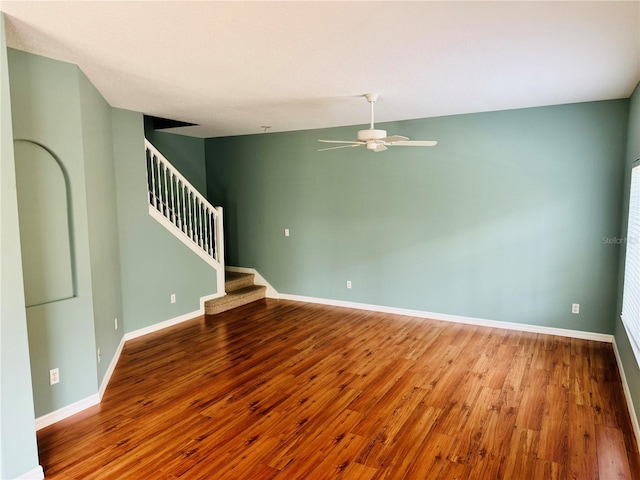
234	66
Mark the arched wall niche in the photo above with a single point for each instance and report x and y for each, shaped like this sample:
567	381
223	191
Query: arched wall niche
45	212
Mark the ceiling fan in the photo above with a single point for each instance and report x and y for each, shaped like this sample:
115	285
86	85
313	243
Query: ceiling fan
377	140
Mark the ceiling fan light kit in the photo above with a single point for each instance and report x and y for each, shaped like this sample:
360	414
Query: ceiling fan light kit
375	139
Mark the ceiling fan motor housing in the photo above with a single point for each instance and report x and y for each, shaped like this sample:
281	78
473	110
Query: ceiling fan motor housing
371	134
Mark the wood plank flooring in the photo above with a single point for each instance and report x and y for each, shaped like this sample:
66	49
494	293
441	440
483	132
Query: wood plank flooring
286	390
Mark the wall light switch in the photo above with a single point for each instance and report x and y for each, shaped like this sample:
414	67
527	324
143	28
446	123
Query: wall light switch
286	232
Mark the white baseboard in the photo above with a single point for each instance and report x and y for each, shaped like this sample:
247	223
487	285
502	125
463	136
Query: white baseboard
162	325
110	370
627	392
65	412
35	474
562	332
173	321
258	280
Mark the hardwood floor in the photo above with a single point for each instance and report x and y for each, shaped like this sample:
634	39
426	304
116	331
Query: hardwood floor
285	390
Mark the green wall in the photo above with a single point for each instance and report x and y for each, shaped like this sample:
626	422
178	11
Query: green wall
47	110
154	264
18	449
503	220
102	221
126	264
185	153
629	362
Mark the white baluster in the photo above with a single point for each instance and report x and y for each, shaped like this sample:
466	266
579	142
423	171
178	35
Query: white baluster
191	231
165	195
207	230
177	197
184	208
147	158
158	183
173	200
203	222
198	224
154	199
213	233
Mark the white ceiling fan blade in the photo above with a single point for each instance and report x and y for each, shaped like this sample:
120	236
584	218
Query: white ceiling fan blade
393	139
380	148
341	146
415	143
341	141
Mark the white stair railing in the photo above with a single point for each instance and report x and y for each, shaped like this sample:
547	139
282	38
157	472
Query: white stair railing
175	203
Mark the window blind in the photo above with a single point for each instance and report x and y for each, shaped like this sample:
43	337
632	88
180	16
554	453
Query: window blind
631	291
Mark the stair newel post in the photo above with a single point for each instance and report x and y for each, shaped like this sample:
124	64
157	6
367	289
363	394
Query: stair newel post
219	244
219	236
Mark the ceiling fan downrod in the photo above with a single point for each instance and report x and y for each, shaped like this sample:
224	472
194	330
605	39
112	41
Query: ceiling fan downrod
371	98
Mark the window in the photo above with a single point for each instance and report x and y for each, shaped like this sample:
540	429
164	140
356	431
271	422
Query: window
631	292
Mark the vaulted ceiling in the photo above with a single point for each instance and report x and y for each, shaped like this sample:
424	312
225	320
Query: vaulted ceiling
231	67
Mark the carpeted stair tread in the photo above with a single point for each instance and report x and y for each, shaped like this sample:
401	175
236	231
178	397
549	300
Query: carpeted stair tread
235	298
236	280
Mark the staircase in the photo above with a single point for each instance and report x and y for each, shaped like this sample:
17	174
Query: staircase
240	291
180	208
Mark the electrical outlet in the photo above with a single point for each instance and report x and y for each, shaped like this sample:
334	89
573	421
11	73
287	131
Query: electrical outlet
99	355
348	283
54	376
173	298
286	232
575	308
115	321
